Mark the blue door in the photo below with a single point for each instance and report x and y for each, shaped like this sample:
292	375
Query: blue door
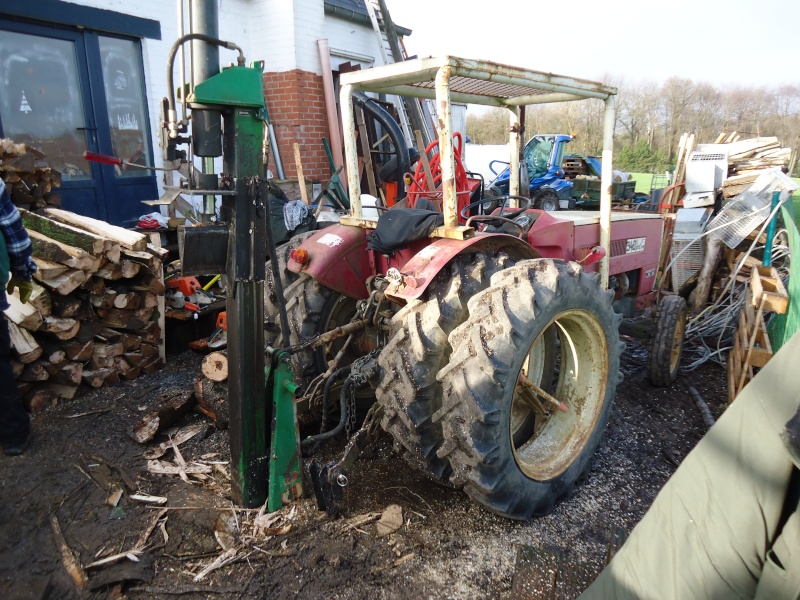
67	91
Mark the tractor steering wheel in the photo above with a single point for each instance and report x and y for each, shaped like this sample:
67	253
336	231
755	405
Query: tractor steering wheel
495	201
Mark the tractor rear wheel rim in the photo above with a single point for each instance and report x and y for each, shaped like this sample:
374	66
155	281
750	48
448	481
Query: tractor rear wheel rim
559	437
677	343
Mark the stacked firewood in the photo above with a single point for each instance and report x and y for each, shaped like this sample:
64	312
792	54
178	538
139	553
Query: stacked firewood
93	317
747	159
29	179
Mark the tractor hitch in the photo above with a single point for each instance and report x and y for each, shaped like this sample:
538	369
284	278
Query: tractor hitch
330	481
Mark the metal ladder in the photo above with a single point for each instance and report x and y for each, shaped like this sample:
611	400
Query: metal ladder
389	56
374	9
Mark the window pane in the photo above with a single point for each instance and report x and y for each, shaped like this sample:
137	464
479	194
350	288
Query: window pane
125	99
40	100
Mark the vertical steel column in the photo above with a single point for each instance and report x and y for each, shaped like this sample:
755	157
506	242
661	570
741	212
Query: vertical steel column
513	145
606	180
245	305
205	64
443	110
350	149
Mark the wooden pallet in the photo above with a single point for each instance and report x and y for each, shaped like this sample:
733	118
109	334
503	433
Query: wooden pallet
752	349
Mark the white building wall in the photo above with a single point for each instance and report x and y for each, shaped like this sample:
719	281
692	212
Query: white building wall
282	33
351	42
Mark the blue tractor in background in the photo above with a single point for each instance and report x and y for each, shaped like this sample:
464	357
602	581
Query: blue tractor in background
543	155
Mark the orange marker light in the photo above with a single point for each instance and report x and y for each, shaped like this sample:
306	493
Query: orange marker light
299	255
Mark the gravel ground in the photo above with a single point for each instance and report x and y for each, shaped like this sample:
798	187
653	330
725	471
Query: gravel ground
447	547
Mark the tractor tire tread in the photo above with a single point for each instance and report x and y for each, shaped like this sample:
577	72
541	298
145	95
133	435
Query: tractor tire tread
501	319
417	348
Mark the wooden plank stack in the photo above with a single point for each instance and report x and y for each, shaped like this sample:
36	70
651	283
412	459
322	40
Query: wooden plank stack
29	179
747	159
93	316
751	346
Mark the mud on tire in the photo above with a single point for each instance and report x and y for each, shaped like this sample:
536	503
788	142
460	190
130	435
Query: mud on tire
418	348
272	327
312	309
498	344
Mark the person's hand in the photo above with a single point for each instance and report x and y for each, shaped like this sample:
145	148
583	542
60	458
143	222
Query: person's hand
25	288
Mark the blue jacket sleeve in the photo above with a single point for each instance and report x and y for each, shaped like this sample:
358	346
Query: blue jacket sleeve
18	243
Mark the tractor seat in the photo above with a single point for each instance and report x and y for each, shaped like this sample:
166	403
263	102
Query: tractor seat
398	228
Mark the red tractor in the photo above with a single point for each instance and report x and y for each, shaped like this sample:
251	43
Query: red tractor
486	335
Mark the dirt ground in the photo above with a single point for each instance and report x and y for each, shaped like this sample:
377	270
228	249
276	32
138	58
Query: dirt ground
447	546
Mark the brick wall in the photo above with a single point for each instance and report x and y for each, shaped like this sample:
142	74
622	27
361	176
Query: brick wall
296	105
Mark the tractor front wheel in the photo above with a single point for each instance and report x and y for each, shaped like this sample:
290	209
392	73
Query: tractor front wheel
667	346
547	200
520	428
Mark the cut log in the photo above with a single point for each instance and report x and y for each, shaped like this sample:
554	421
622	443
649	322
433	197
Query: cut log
96	286
130	268
215	366
53	250
124	237
174	407
41	300
35	371
79	351
147	259
110	336
100	377
148	350
70	374
125	319
151	333
64	283
212	399
134	359
104	300
66	307
110	271
88	331
64	233
63	329
129	300
24	315
56	357
131	374
121	366
40	399
47	269
131	342
28	350
108	350
148	282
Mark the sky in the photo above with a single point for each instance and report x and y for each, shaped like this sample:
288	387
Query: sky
725	43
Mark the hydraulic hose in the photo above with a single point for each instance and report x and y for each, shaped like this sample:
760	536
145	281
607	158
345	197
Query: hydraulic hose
326	394
395	134
312	439
172	114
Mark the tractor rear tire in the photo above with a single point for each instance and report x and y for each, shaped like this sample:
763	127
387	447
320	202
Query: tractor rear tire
272	321
667	346
502	346
418	348
313	309
547	200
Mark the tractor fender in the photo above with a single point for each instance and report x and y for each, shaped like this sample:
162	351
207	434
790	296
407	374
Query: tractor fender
423	267
338	259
